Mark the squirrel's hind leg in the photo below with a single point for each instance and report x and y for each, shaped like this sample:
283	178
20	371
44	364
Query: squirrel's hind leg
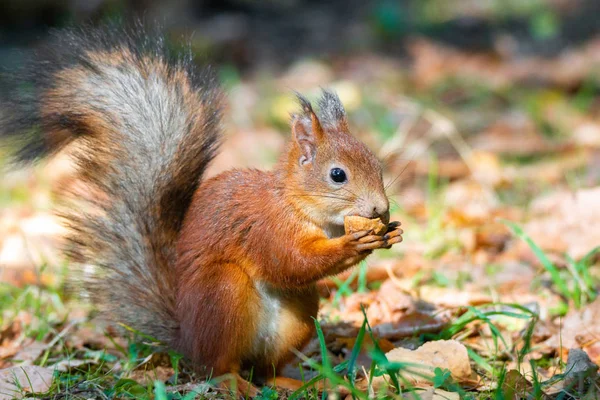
218	308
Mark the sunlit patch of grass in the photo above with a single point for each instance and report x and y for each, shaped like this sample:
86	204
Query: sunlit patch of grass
44	308
345	287
44	313
343	375
439	237
107	374
443	280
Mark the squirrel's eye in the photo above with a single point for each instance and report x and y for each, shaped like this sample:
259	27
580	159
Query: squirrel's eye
338	175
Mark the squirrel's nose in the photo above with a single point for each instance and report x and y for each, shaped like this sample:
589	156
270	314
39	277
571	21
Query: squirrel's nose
381	210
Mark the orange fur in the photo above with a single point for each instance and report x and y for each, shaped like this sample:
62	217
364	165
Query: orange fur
250	232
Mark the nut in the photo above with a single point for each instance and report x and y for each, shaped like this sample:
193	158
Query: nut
353	223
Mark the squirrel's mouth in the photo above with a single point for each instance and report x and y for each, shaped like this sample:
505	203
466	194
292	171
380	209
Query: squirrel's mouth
385	217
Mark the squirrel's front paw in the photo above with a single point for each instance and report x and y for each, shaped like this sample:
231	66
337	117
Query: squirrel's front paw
364	241
393	234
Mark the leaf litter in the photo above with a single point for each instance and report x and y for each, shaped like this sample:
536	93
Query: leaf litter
463	306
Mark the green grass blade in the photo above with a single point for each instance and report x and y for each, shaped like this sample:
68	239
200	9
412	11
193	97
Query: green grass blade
480	361
160	391
356	351
324	355
344	287
378	350
362	277
541	256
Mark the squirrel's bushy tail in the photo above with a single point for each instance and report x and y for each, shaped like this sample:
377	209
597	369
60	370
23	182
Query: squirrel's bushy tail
144	126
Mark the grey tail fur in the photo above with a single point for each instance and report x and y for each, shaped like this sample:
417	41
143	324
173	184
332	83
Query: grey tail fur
144	125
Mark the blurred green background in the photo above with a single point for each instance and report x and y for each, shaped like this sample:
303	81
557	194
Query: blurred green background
253	33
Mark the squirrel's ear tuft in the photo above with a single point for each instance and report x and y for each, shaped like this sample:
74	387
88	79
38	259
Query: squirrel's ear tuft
307	131
332	111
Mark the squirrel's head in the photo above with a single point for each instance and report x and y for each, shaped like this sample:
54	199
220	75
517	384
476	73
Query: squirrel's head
330	173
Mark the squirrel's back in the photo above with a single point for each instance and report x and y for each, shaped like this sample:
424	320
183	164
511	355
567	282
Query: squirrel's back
145	123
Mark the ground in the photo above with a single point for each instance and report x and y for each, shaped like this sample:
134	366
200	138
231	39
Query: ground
491	161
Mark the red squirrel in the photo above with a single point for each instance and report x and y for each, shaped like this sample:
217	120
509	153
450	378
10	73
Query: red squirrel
223	270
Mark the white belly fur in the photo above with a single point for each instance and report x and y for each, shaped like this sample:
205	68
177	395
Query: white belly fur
267	336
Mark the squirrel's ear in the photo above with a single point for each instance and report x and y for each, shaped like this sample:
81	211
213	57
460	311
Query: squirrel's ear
307	132
332	111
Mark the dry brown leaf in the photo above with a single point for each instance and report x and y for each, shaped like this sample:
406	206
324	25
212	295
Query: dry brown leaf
445	354
395	297
410	264
587	134
433	394
28	242
486	168
451	168
580	329
66	364
367	344
29	353
16	382
474	202
450	297
514	133
12	338
434	63
567	221
147	376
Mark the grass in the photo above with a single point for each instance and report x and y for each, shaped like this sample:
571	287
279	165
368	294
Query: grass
105	373
344	288
45	305
344	374
108	370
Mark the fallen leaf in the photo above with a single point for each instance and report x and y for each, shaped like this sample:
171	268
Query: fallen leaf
306	75
576	326
512	133
66	364
432	394
450	355
567	221
147	376
434	62
450	297
587	134
17	382
474	202
486	168
28	354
